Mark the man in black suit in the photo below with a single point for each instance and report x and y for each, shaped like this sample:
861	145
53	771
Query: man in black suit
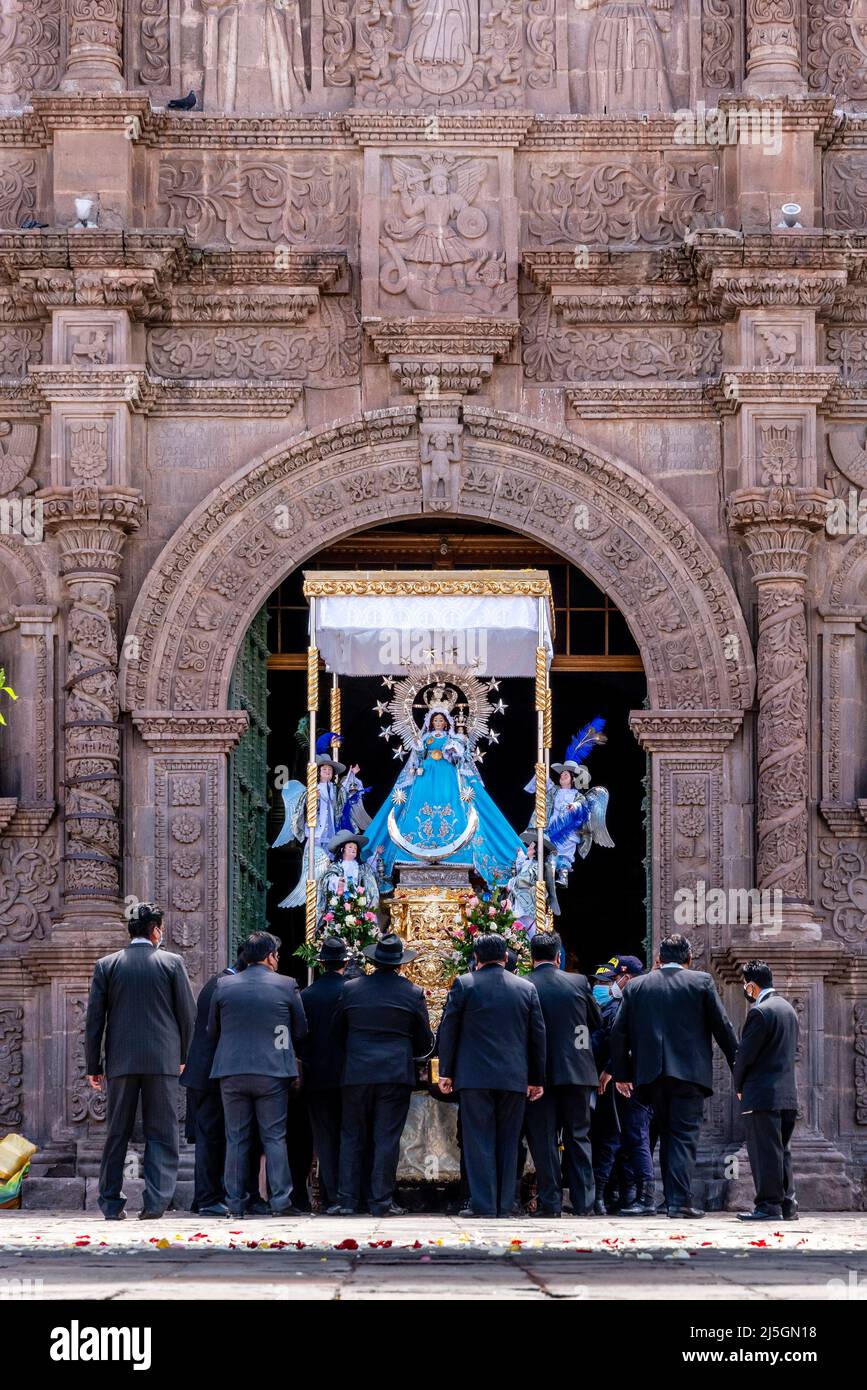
141	1000
571	1015
383	1025
205	1105
661	1043
764	1081
256	1021
322	1059
492	1051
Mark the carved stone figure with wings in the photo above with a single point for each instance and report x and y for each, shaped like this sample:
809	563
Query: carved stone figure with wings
438	219
17	452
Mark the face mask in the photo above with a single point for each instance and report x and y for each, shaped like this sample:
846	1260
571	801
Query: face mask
616	991
747	995
601	993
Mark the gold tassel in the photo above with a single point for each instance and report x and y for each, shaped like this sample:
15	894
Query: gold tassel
312	678
541	796
312	793
310	923
541	680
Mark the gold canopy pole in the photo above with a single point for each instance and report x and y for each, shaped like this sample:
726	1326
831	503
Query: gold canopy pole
312	777
543	719
336	713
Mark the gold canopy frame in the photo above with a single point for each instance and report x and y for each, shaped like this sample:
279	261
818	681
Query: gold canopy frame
432	585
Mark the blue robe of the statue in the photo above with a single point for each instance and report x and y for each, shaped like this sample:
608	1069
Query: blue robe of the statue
436	809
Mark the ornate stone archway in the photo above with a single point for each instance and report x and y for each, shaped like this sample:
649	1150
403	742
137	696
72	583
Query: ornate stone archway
236	547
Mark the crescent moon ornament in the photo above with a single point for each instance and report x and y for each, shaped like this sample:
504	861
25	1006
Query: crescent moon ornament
441	851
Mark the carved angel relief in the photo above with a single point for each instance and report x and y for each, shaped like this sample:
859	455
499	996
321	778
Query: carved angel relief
17	452
435	243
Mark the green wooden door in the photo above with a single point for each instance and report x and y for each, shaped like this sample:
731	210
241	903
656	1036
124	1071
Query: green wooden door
248	785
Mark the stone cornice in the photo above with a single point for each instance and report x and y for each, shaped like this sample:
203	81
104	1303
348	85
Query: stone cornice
196	130
783	250
795	959
808	386
453	336
562	268
845	820
660	131
484	128
673	731
240	306
803	507
202	397
750	289
605	400
108	385
91	524
219	732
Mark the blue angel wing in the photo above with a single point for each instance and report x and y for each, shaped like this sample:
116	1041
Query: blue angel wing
569	821
595	831
298	896
292	794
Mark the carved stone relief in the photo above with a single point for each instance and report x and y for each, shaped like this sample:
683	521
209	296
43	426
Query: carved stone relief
11	1066
441	236
843	864
630	200
296	201
252	56
31	49
846	192
633	58
835	48
83	1103
553	352
17	453
28	873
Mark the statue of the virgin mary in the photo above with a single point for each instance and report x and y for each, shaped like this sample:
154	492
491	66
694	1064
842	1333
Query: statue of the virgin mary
438	810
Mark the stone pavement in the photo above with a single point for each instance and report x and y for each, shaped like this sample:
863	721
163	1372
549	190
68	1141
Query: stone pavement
823	1256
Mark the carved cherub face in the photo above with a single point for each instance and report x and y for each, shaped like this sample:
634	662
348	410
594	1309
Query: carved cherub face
439	183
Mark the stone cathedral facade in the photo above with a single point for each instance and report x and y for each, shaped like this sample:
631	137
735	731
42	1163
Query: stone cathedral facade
591	270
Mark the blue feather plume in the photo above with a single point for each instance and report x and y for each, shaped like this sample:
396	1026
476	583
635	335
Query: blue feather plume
582	743
346	817
324	742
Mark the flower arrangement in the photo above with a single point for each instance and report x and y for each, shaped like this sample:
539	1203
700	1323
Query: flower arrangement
348	917
485	912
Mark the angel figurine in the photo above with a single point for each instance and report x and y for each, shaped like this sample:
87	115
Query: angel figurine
339	806
521	887
575	811
439	810
344	870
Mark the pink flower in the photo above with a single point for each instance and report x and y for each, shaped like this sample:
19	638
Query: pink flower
328	917
472	902
492	912
370	916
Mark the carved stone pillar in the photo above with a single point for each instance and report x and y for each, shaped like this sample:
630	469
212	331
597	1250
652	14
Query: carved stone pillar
778	525
94	63
773	48
91	525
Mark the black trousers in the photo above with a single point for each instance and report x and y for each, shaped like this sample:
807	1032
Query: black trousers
264	1098
159	1112
299	1145
768	1134
491	1123
678	1107
372	1121
325	1110
561	1110
210	1138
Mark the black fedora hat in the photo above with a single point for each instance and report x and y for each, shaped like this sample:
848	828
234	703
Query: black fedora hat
333	951
388	950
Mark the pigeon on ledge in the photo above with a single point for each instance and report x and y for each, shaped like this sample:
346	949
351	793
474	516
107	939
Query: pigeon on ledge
31	225
182	103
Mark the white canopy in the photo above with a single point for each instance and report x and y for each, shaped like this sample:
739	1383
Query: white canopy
372	623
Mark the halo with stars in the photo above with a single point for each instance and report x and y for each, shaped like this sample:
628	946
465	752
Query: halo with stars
472	706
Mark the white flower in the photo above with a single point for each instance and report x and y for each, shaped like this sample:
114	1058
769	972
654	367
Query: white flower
349	920
334	902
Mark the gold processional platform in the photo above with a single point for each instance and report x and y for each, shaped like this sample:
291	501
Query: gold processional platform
422	912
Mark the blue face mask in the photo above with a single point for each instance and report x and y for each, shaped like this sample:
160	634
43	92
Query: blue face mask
601	993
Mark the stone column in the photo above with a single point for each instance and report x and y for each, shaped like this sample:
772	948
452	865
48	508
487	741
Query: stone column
91	525
94	62
773	48
778	525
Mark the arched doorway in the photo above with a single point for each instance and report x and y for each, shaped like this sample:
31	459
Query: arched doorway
271	517
597	670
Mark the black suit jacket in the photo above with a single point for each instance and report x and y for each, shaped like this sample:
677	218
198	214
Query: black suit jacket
764	1070
256	1020
382	1023
200	1058
321	1052
492	1035
141	1000
664	1028
571	1014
